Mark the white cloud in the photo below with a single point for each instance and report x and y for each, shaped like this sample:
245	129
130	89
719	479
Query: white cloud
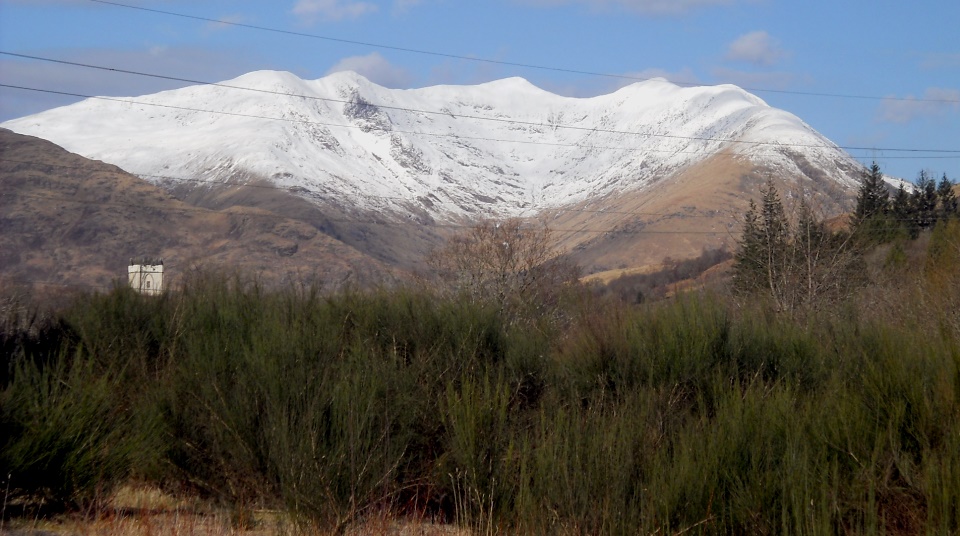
646	7
934	102
332	10
758	48
375	68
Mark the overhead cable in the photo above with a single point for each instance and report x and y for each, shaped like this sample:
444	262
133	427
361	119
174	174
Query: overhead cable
480	138
487	60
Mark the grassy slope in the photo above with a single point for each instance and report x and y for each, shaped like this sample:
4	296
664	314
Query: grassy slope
697	209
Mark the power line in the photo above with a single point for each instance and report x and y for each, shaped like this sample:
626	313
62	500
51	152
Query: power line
420	111
292	190
488	60
357	196
384	222
498	140
333	100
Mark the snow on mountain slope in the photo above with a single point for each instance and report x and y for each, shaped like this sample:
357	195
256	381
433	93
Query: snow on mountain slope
500	148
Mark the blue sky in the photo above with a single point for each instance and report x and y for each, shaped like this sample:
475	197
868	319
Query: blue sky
897	62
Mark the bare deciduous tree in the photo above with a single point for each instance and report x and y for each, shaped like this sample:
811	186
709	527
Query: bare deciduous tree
796	261
507	263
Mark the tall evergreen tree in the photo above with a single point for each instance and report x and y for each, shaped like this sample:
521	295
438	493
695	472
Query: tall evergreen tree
872	199
947	198
797	266
924	201
902	211
748	265
775	228
764	256
776	237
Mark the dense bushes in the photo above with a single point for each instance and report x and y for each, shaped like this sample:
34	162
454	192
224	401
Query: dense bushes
678	415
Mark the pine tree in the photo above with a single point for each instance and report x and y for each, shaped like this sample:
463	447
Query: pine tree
924	201
797	266
872	200
748	265
902	212
763	258
947	198
775	228
776	235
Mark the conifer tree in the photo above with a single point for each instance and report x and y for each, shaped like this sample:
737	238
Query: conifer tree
872	199
775	235
902	211
924	201
798	266
763	259
748	266
947	198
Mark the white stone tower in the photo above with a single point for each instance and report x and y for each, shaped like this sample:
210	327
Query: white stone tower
146	276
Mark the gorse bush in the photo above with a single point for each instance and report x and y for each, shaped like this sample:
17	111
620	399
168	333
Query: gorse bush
68	436
677	416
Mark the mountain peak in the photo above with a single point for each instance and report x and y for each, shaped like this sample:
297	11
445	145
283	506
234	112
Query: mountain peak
514	83
686	157
349	78
511	145
266	78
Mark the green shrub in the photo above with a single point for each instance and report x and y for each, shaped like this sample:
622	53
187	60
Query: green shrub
68	439
685	415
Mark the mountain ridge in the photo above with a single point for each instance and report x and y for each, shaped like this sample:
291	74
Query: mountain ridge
497	136
456	154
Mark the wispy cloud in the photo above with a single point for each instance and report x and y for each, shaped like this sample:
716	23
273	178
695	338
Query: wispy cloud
375	68
646	7
758	48
332	10
934	102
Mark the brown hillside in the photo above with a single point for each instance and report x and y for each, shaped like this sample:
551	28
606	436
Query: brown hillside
698	208
67	220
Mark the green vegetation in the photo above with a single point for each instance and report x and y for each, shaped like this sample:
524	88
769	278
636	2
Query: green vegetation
880	218
799	265
703	415
638	288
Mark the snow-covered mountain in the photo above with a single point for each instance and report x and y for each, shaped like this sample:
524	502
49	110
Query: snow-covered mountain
497	149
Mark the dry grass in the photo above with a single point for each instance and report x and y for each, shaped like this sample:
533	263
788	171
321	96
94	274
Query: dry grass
697	208
148	511
609	275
